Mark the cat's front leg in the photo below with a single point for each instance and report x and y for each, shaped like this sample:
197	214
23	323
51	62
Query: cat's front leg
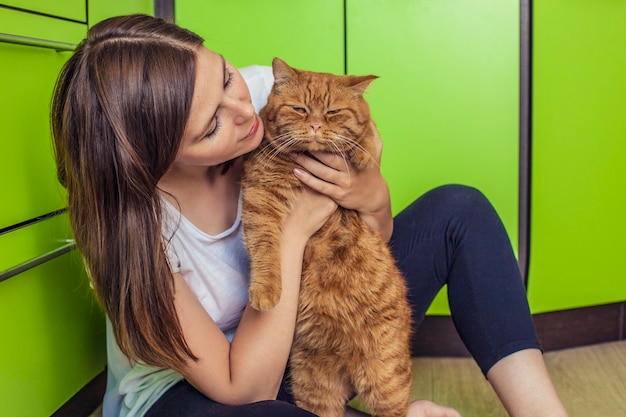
265	284
263	219
265	278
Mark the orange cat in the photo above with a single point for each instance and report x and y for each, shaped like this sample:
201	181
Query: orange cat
353	324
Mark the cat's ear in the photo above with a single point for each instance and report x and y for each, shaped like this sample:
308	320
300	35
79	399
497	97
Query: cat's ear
359	84
283	73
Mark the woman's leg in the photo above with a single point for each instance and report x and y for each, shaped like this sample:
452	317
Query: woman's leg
183	400
523	384
453	236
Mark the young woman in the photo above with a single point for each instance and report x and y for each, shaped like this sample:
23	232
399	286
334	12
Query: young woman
149	127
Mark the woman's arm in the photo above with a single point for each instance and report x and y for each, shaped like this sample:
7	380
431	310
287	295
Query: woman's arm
251	367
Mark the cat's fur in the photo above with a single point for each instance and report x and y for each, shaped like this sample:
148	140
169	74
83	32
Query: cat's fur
353	323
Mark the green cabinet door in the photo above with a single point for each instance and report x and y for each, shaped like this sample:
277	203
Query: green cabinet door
578	154
447	101
52	327
53	339
306	34
28	173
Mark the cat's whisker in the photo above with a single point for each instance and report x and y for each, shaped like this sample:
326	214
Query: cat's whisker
269	151
266	153
284	145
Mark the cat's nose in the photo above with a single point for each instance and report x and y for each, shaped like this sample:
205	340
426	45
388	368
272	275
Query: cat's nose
315	127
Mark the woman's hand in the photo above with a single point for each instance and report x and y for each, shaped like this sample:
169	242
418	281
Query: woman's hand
309	212
364	190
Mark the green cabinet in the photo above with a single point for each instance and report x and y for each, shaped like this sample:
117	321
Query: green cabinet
578	155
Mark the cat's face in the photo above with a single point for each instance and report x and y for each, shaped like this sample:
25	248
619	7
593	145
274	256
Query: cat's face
310	111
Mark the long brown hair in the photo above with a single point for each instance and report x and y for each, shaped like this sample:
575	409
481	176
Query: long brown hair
119	110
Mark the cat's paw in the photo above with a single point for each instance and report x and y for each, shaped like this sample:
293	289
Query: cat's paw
263	299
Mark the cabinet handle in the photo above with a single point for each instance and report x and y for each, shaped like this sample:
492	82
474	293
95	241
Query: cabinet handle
38	260
41	43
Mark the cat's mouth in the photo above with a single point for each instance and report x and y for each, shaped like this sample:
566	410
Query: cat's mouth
317	146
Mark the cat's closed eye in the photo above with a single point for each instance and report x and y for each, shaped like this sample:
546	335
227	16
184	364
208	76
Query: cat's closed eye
300	110
331	112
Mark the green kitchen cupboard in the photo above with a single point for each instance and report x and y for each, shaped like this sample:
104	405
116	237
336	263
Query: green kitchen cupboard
578	155
447	101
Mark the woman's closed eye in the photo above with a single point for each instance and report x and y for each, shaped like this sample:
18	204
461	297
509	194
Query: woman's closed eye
215	127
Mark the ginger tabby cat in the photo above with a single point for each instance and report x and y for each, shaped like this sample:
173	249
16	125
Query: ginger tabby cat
353	324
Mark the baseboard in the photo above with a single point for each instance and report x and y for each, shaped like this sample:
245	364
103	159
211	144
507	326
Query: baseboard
438	337
85	401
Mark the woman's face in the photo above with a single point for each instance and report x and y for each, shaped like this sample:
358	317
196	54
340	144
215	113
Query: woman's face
222	124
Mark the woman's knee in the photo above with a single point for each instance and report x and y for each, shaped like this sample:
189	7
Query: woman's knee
459	200
457	195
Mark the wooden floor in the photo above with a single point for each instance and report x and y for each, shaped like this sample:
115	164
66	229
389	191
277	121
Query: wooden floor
591	381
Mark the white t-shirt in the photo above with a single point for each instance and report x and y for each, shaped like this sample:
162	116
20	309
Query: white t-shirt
216	268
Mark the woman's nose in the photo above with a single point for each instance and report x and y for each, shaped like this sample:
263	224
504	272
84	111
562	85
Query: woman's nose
242	110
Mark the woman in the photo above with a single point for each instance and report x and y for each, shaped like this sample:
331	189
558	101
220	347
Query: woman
149	127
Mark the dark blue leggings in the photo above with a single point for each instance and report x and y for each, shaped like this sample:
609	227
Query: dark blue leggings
451	235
